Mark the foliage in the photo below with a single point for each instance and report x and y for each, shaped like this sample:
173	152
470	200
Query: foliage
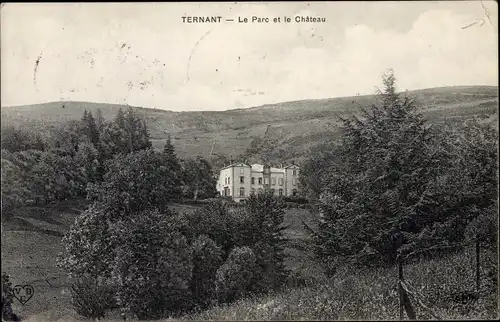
198	178
87	160
257	224
397	185
368	294
173	165
312	179
235	277
40	177
89	128
265	234
14	192
7	299
127	133
91	298
15	139
134	182
88	246
152	267
207	258
217	221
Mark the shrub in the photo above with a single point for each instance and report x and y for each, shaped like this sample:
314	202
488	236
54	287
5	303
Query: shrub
264	233
152	267
217	221
88	246
236	276
92	298
135	182
14	192
7	299
207	258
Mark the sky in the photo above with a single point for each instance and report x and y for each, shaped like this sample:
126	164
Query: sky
143	54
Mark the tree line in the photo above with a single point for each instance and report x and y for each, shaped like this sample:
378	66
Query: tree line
68	160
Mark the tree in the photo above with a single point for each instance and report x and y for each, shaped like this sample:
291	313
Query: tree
14	190
16	139
88	246
89	128
207	258
152	267
236	276
265	235
135	182
395	186
198	178
380	174
99	120
173	164
127	133
87	159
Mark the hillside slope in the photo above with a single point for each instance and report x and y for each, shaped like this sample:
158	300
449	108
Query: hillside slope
293	126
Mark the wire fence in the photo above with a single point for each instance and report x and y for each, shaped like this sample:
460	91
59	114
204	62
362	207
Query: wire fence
408	294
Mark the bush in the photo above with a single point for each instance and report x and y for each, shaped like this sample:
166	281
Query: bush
88	246
135	182
7	299
207	258
257	224
264	233
236	276
298	200
152	267
14	192
92	298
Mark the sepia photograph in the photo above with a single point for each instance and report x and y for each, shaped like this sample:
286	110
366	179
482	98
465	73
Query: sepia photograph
230	161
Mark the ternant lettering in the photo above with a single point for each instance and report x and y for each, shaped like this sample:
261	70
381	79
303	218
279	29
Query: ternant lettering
207	19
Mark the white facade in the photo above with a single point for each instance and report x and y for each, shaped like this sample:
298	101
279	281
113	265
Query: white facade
240	180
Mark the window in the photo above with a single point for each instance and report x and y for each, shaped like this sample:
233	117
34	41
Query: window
242	192
293	182
242	179
294	173
280	181
266	180
229	180
242	170
252	191
253	180
273	181
280	192
260	180
226	191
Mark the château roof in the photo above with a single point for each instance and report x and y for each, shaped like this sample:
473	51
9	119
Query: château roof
256	167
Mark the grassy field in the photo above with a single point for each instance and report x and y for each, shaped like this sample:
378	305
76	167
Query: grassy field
34	234
367	295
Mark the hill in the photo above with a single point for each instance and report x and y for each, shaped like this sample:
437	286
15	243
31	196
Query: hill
293	126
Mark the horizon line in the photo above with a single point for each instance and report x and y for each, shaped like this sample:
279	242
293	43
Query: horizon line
242	108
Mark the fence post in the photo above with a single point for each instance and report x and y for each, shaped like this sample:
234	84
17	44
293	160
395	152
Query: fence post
478	262
400	289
